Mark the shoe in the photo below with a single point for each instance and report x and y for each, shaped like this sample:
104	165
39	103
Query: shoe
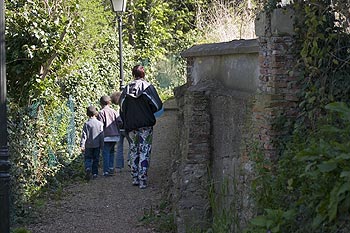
135	182
118	170
87	174
94	176
143	184
106	174
111	171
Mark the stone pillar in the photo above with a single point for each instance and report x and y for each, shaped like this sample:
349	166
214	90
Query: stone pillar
276	102
191	176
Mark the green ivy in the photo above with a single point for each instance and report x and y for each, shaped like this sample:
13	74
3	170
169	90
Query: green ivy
324	57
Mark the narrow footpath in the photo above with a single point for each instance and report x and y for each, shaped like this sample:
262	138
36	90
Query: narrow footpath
112	204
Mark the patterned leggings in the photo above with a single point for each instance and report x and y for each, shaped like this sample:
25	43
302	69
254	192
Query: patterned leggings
140	150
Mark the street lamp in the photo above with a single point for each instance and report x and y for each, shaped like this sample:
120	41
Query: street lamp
119	7
4	157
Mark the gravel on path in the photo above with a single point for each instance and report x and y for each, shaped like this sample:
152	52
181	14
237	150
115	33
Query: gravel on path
113	204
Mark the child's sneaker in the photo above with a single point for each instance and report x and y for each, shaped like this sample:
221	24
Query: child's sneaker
94	176
87	174
111	172
118	170
106	174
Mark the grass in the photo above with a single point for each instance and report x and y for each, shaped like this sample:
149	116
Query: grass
20	230
160	218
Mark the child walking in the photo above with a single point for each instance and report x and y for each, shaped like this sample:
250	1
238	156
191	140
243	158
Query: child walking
110	119
115	96
91	143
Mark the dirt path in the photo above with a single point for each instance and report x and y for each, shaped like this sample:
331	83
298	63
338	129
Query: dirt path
112	204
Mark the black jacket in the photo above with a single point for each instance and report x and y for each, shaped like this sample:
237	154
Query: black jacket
138	103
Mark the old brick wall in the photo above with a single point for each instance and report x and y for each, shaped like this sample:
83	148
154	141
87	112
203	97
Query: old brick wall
277	95
191	173
213	106
237	94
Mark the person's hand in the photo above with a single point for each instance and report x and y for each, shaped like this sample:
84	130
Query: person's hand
82	149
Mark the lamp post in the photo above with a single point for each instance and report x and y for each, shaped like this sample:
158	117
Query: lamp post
119	7
4	158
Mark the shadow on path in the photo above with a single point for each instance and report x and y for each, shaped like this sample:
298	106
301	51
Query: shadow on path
112	204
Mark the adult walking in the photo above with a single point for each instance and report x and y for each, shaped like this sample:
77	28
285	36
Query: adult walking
138	103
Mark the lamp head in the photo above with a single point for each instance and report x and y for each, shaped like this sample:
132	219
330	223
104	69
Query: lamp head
118	5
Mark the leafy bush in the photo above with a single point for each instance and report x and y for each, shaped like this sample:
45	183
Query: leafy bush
46	112
327	164
310	191
63	56
310	178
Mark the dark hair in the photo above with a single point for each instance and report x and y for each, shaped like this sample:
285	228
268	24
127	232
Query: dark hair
138	72
104	100
91	111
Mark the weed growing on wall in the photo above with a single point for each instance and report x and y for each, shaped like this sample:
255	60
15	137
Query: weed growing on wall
223	199
223	21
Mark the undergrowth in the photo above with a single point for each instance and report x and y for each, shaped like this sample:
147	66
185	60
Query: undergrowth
308	190
160	218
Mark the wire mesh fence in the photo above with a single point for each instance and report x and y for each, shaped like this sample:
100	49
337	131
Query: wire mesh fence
42	139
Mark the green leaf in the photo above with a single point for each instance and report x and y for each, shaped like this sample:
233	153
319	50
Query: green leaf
345	174
309	158
289	214
344	188
276	229
331	129
308	167
327	166
333	205
269	223
260	221
340	107
317	221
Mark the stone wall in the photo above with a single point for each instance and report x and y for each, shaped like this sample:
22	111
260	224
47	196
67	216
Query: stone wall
213	106
191	177
237	93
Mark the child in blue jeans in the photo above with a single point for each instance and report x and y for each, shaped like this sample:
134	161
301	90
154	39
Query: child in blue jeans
91	143
111	120
120	153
